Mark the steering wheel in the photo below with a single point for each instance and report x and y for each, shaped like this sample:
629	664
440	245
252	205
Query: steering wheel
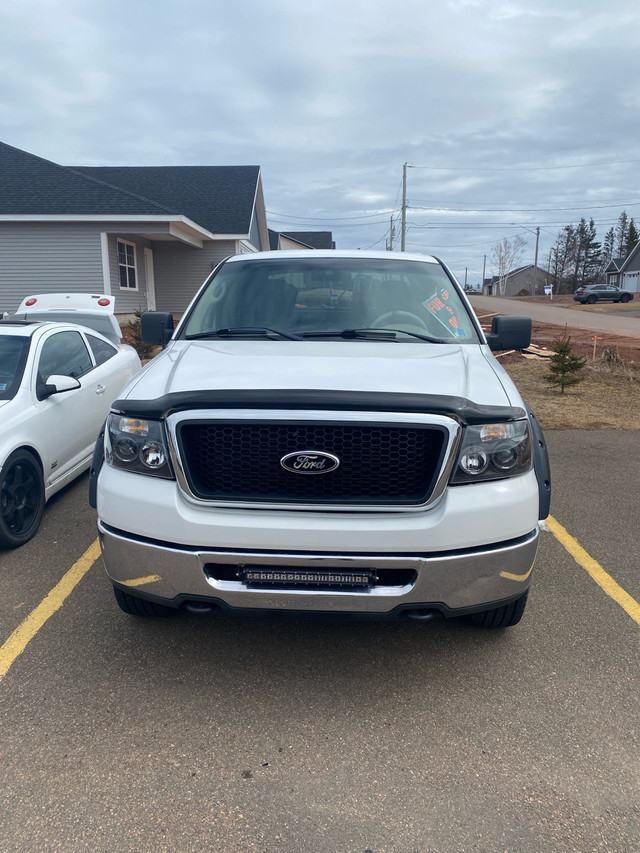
403	316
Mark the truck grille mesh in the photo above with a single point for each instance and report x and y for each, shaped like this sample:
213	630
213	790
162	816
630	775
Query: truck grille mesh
379	465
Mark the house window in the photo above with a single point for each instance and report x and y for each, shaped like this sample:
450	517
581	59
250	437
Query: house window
127	265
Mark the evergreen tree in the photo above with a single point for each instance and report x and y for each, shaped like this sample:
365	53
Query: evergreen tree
622	232
591	253
632	238
564	365
607	253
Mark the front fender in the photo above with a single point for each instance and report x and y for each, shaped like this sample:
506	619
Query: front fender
540	465
96	464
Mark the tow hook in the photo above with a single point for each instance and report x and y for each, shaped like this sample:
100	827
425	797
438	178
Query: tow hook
422	615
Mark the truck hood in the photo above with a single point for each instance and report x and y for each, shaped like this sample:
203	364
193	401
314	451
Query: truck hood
387	367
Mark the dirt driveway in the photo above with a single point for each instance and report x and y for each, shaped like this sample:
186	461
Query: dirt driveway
624	346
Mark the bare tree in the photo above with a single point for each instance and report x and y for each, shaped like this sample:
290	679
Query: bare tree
506	255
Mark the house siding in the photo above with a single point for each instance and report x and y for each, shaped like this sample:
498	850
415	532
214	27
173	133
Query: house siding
48	258
180	270
66	257
127	299
631	274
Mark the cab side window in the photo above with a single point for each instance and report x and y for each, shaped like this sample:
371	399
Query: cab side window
66	354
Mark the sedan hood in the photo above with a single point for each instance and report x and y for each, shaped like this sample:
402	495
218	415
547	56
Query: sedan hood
387	367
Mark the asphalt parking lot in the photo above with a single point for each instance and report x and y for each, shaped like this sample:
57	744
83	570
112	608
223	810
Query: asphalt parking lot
259	734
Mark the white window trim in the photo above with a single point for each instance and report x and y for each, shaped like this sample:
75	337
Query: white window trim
135	265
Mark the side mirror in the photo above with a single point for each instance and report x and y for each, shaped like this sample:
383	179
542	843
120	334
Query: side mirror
57	384
510	333
156	327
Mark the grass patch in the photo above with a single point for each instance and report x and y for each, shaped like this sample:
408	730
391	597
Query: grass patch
632	307
609	397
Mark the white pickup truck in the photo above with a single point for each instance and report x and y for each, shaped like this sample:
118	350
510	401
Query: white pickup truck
325	431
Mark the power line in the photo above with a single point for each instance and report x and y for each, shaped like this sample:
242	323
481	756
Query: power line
331	218
521	168
519	209
618	201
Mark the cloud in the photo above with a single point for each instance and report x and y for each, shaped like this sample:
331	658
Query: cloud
332	98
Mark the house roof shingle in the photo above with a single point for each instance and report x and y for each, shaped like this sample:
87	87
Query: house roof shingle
219	198
312	239
32	185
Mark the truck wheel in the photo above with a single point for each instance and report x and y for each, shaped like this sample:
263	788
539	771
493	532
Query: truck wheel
135	606
501	617
21	499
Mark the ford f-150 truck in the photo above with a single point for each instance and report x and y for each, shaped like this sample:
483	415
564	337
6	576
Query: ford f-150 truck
324	431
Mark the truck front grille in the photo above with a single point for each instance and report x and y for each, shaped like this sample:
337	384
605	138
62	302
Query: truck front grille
381	465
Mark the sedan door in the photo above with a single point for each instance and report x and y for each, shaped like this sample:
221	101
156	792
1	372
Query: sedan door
66	423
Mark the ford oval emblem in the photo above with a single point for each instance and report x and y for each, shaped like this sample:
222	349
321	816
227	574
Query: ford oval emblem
309	462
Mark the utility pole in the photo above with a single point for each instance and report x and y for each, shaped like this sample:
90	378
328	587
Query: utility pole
535	262
404	208
392	232
484	267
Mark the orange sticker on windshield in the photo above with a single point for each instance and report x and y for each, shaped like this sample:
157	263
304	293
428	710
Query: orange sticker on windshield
445	313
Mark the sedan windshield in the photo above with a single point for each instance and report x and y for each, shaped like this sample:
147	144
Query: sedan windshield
320	298
13	356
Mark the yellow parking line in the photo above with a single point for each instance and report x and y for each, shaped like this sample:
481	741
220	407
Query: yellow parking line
26	631
142	581
602	578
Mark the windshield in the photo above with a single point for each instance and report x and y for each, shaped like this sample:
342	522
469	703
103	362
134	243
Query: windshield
313	297
13	356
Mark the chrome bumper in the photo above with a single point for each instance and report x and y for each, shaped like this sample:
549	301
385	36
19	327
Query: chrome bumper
450	582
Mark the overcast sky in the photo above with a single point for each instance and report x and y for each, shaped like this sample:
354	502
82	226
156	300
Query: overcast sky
510	114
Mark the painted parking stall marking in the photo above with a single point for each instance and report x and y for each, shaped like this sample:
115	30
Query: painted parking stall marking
599	575
26	631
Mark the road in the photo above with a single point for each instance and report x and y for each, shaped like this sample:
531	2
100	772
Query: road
619	324
221	734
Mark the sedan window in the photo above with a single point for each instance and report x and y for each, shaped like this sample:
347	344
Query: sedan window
13	357
102	351
66	354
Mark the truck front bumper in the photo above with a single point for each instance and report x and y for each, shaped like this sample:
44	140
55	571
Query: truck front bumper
450	583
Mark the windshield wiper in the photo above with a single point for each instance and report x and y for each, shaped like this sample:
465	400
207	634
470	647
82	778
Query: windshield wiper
242	331
375	333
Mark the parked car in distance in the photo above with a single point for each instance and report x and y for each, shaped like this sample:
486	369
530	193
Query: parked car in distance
57	382
587	294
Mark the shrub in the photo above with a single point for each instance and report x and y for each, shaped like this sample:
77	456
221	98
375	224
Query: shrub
133	337
564	366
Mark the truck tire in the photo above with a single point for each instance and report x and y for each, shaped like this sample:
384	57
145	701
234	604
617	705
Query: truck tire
501	617
135	606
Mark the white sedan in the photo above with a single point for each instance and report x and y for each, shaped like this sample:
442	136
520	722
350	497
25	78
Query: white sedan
58	380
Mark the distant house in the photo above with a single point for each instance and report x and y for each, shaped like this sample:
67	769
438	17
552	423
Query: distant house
147	235
519	282
301	240
625	272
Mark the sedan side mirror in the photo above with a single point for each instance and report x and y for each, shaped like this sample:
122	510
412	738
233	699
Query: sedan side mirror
510	333
57	384
156	327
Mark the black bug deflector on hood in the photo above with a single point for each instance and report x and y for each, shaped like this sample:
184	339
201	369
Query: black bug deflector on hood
463	410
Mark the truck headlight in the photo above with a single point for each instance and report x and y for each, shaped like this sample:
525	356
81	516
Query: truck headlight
137	445
493	452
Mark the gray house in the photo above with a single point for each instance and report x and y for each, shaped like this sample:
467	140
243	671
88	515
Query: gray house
301	240
147	235
519	282
625	272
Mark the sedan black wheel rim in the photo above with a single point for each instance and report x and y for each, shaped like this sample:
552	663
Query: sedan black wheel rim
19	498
